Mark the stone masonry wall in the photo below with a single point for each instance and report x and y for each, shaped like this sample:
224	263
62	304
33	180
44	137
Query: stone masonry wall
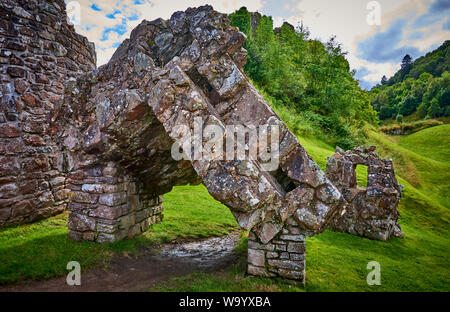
108	205
283	256
39	50
372	211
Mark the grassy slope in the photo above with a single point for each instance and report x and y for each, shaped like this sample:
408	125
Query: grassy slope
335	261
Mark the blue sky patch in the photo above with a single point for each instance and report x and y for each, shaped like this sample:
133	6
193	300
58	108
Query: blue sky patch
95	7
279	8
112	15
383	46
121	29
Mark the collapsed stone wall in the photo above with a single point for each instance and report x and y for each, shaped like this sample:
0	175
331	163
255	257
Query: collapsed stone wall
372	211
127	114
39	51
101	139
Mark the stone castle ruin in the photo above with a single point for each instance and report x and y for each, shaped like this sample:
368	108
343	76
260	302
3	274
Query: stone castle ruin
99	141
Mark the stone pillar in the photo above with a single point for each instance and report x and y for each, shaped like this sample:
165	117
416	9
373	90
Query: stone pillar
106	206
283	256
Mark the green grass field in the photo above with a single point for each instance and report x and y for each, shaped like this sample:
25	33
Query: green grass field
335	261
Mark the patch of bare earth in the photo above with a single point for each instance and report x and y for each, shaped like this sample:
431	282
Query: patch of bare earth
140	271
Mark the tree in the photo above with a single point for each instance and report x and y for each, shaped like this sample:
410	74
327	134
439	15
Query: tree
406	65
311	79
422	109
399	118
434	110
408	105
384	80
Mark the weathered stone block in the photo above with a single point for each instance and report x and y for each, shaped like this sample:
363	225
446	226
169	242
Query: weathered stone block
296	247
127	221
286	264
110	213
256	257
106	238
107	228
295	238
259	271
9	130
81	223
82	197
294	275
114	199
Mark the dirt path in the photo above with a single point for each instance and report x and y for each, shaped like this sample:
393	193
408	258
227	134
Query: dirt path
141	271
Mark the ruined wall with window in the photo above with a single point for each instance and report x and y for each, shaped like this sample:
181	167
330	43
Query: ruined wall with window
372	211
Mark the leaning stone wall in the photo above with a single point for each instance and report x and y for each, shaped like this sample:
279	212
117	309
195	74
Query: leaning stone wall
108	133
39	50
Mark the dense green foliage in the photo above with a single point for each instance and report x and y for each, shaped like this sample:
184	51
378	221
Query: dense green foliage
422	86
311	79
435	63
428	95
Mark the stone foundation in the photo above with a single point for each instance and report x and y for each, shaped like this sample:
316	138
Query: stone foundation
283	256
106	206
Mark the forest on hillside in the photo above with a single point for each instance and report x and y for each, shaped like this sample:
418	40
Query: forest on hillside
422	86
309	83
311	86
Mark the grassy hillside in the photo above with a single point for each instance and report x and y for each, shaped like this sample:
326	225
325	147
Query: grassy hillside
422	159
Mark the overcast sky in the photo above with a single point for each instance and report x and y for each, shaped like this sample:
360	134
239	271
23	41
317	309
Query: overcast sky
406	26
